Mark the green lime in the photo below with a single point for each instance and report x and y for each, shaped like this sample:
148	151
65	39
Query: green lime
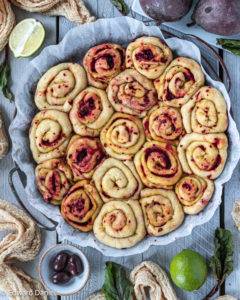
188	270
26	38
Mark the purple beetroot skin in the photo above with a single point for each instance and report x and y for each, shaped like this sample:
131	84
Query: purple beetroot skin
218	16
166	10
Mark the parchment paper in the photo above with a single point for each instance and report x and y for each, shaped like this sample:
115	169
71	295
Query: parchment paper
73	47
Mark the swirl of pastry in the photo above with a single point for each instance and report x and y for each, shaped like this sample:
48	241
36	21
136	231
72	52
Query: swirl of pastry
104	62
194	193
120	224
117	180
122	136
7	21
163	123
149	56
206	112
90	112
179	82
49	135
157	165
132	93
162	211
59	86
54	178
83	156
81	205
203	155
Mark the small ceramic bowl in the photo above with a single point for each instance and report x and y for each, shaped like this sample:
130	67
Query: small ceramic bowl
46	272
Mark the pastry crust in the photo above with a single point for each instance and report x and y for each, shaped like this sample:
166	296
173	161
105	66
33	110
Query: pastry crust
162	211
97	296
132	93
203	155
117	180
104	62
81	205
90	112
122	136
58	87
149	56
179	82
151	282
206	112
157	165
120	224
194	193
49	135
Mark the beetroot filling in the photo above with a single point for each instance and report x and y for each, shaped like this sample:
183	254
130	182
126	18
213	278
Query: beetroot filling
81	155
187	186
164	157
217	163
146	54
189	76
86	107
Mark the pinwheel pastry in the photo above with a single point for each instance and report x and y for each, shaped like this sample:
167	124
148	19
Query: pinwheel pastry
203	155
194	193
163	123
83	156
132	93
59	86
7	21
54	178
157	165
104	62
122	136
151	282
120	224
117	180
206	112
81	205
90	112
149	56
179	82
162	211
49	135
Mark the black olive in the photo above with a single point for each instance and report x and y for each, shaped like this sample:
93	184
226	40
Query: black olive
60	261
74	265
60	278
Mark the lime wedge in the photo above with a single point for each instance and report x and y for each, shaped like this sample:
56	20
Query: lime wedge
26	38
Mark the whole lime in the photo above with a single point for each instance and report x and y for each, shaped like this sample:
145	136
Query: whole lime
188	270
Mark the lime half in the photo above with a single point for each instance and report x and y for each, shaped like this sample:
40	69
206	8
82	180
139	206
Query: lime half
188	270
26	38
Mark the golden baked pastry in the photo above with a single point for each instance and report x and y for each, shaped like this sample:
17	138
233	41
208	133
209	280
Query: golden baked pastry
162	211
203	155
120	224
83	156
206	112
163	123
7	21
103	62
194	193
149	56
54	178
117	180
179	82
49	135
90	112
132	93
81	205
157	165
58	87
122	136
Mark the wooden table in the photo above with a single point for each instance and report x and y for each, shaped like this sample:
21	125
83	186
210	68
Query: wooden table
200	240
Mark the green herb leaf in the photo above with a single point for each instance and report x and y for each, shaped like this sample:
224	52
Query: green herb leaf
121	6
4	80
116	284
230	45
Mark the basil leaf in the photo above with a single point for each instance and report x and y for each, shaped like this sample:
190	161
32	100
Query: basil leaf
121	6
230	45
116	284
4	80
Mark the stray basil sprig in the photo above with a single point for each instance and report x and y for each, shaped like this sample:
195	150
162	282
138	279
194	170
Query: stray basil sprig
230	45
222	261
4	81
121	6
117	286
